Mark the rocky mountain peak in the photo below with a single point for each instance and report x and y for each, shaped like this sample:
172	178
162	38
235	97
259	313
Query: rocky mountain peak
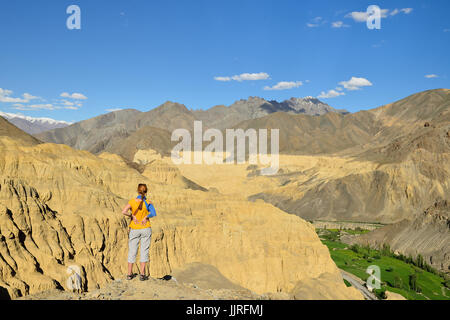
170	105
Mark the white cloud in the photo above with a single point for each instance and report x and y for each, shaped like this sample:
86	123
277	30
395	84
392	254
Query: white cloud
285	85
407	10
394	12
251	76
34	107
114	109
222	78
431	76
22	103
5	92
362	16
245	77
5	96
76	96
355	83
29	97
330	94
339	24
67	103
317	21
358	16
12	100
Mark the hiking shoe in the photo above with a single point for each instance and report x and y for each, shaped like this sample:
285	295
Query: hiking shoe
143	277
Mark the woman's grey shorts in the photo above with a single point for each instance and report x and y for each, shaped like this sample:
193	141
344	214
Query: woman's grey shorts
139	235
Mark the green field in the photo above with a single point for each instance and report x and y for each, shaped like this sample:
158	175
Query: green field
395	273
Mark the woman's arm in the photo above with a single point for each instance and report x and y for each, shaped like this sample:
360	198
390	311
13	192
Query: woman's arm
126	210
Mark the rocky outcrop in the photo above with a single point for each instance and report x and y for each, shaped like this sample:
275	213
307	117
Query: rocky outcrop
428	234
316	289
388	194
61	207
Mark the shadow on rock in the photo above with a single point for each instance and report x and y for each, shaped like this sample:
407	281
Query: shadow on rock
4	295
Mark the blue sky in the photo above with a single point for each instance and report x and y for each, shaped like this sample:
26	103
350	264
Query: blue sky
140	53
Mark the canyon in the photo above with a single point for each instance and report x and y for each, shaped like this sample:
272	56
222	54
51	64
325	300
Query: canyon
61	207
61	193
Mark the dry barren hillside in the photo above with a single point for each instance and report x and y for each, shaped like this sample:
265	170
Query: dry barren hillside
427	234
402	166
61	207
7	129
113	132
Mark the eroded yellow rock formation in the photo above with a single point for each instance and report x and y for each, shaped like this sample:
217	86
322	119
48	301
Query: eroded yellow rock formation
61	207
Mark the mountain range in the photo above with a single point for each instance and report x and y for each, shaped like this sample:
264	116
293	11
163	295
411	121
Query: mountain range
107	132
33	125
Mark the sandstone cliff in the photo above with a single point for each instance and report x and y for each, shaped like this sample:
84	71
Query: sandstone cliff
61	207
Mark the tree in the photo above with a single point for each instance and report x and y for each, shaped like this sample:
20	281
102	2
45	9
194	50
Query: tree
420	261
386	250
413	282
398	283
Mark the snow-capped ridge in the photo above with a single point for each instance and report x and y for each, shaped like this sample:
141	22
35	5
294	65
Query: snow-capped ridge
33	120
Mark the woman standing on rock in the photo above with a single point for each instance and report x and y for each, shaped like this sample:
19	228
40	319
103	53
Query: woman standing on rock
140	230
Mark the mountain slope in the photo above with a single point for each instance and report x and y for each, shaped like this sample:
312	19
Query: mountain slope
329	133
96	134
107	132
427	234
7	129
33	125
222	117
144	138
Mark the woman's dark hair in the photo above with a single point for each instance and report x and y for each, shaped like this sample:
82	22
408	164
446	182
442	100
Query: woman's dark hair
142	190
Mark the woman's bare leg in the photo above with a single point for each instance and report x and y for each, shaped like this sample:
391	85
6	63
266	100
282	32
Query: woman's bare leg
143	267
130	269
